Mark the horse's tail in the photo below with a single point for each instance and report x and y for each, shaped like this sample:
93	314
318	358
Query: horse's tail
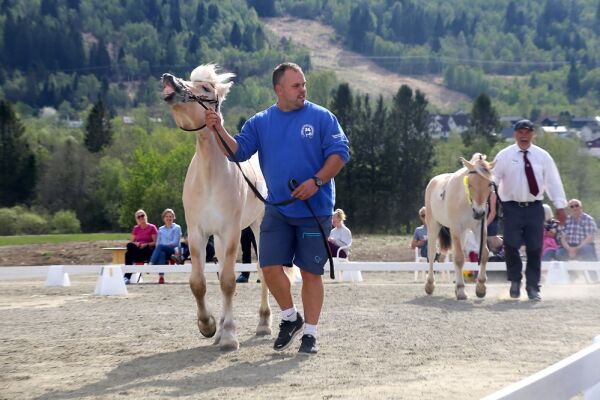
445	239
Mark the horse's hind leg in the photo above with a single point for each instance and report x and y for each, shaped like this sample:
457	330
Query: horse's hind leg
459	262
264	312
226	336
206	322
433	228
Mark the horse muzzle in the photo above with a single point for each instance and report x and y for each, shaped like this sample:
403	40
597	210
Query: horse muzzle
171	88
478	214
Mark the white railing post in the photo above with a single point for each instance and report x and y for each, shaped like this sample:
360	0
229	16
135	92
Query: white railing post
593	393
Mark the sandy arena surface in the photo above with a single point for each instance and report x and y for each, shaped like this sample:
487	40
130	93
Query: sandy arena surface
380	339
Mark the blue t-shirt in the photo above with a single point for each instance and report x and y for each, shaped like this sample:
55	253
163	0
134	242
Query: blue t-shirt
294	144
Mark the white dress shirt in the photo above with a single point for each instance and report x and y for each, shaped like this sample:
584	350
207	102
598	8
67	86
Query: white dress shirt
509	174
342	236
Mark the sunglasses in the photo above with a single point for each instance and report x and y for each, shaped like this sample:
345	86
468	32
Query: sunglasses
140	216
574	206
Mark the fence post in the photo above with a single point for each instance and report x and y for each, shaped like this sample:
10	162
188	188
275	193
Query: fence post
593	393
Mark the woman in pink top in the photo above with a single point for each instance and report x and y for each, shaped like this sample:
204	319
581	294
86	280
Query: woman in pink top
143	240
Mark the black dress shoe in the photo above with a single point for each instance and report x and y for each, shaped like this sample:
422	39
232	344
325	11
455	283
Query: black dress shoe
533	294
515	289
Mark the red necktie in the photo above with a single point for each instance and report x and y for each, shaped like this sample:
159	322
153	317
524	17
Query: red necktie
533	187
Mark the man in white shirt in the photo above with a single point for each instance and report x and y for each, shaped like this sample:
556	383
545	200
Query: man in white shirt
524	172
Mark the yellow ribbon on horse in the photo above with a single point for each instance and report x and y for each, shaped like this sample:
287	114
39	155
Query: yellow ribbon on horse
467	190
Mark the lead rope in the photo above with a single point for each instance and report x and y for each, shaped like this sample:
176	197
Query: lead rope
292	184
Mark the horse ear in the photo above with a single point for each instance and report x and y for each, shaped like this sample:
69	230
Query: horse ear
467	164
492	164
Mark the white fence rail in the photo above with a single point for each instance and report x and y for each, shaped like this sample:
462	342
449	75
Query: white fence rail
579	373
7	273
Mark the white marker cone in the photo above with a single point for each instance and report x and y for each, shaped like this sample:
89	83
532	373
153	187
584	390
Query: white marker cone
557	273
57	276
110	282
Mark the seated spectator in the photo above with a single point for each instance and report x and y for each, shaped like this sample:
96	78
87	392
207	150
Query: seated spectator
550	244
247	242
184	253
169	236
340	235
578	236
143	240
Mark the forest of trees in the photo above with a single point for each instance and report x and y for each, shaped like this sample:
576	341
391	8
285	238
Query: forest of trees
95	61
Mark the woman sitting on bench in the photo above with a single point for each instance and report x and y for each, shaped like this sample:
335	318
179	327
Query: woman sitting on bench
143	240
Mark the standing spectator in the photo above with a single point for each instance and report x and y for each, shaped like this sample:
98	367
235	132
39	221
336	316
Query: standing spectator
550	245
420	236
143	240
295	139
524	171
578	236
169	236
340	235
247	241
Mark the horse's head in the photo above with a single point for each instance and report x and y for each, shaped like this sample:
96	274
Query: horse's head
478	183
189	99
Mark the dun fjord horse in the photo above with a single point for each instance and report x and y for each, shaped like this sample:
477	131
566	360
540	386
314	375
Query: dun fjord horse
216	199
457	202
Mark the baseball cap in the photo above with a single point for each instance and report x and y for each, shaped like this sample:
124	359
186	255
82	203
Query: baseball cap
524	124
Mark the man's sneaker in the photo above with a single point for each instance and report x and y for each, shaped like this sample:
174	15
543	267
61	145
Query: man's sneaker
242	279
288	330
177	259
515	289
533	294
309	345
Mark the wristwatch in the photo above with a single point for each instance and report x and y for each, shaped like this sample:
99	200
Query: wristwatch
318	181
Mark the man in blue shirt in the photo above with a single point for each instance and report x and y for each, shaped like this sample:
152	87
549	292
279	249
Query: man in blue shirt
295	139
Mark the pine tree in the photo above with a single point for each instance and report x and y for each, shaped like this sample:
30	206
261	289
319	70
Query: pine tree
235	37
17	160
573	82
484	123
98	131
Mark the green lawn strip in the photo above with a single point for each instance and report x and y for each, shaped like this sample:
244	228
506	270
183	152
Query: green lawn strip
61	238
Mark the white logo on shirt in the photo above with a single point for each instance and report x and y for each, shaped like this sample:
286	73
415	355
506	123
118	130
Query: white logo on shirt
338	136
307	131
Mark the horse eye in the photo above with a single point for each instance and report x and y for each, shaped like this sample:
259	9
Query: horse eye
206	89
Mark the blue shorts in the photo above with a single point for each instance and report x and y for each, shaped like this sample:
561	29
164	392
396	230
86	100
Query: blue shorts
285	240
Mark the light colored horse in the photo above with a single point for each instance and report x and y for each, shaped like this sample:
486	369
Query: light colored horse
456	202
216	199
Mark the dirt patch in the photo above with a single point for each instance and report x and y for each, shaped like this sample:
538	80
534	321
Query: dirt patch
380	339
359	71
364	248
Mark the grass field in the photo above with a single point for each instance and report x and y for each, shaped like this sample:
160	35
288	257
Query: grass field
61	238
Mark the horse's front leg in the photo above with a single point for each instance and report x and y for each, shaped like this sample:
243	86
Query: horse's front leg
459	262
206	322
264	311
480	289
226	337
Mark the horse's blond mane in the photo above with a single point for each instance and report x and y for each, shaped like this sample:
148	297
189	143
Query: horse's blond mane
208	73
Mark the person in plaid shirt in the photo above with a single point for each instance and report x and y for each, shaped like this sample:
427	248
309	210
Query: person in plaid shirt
578	235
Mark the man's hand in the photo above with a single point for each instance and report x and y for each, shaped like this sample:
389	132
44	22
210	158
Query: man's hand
212	119
306	190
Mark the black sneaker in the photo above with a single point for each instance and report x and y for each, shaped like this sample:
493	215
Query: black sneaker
533	294
288	330
309	345
515	289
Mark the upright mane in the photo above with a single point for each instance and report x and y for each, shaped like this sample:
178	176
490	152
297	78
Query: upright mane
479	164
208	73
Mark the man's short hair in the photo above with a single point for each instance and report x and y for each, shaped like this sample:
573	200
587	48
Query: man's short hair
524	124
280	70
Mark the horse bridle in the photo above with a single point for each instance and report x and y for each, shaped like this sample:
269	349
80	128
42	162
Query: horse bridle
189	97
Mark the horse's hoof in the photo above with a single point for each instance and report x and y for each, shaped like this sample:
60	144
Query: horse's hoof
229	345
429	287
208	330
263	330
480	291
461	295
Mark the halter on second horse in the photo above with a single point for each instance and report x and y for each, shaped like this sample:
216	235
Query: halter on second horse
188	97
484	218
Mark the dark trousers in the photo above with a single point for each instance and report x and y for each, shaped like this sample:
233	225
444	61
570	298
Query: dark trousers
135	254
247	241
523	225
